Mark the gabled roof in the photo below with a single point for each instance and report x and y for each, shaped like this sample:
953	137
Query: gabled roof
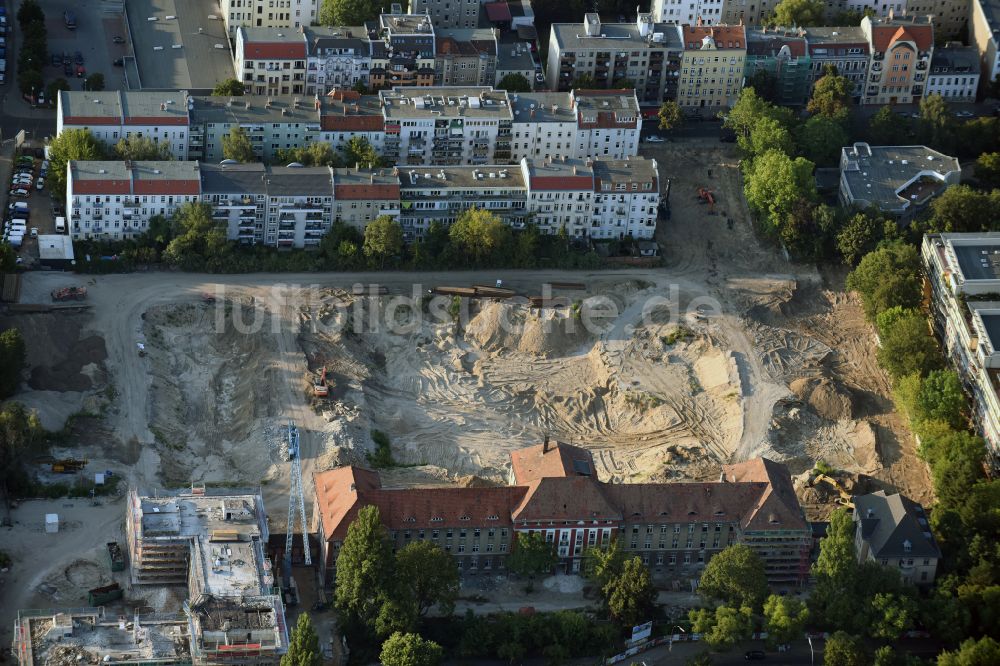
884	36
549	460
777	507
894	526
683	502
339	496
565	498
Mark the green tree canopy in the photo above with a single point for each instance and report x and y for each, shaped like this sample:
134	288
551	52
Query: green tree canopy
480	233
29	11
229	88
532	555
138	148
765	84
785	618
630	596
364	569
52	89
769	134
961	209
237	146
383	238
359	151
8	258
349	12
886	127
907	347
749	109
514	82
428	576
603	564
12	359
71	144
886	277
831	95
199	241
21	439
842	649
859	236
982	652
988	170
722	627
798	13
583	82
893	614
410	650
821	139
940	398
303	645
735	576
775	184
94	82
937	125
670	115
316	154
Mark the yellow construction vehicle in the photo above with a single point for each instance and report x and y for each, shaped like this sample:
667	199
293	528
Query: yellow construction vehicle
845	498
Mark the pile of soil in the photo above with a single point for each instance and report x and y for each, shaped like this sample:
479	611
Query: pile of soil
828	398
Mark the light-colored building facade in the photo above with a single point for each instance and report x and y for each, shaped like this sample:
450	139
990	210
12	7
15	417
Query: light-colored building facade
893	531
403	49
845	48
984	35
115	200
963	278
272	124
901	50
747	12
360	195
626	197
645	53
681	12
675	528
287	14
900	181
712	66
112	115
954	73
271	61
466	57
338	58
449	13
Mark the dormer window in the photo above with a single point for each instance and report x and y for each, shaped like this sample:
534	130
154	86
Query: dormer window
907	546
493	517
464	518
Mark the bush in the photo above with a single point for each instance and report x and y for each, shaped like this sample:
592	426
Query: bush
382	456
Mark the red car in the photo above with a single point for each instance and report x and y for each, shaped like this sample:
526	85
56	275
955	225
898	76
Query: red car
80	71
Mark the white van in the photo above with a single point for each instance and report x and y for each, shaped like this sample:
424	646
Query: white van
18	223
60	225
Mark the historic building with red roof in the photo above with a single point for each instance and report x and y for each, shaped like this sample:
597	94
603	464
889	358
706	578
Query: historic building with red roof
674	527
900	56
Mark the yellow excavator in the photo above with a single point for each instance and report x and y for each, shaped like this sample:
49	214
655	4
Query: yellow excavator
845	499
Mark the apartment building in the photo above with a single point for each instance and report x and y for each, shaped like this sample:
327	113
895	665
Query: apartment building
403	47
845	48
675	528
954	73
345	114
579	124
747	12
271	61
448	13
899	181
442	194
237	194
984	35
514	56
712	66
893	531
272	123
285	14
901	50
626	197
466	57
115	200
112	115
645	55
360	195
681	12
446	126
784	55
337	58
560	195
962	279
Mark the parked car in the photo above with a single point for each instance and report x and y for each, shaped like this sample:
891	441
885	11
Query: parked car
34	232
68	68
19	192
69	18
965	114
45	165
118	39
40	185
56	59
78	57
118	62
80	71
654	138
754	655
67	58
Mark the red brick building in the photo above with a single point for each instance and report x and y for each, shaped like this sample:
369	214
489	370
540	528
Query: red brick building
674	527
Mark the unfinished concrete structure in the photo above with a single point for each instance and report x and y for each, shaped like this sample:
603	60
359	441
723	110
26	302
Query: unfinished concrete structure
87	637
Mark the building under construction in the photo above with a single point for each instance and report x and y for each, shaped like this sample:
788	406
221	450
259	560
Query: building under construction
214	542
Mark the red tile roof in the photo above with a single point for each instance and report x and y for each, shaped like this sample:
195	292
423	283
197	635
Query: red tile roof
726	36
351	123
274	50
378	191
91	120
565	498
683	502
101	187
549	460
158	120
167	186
572	183
884	36
777	507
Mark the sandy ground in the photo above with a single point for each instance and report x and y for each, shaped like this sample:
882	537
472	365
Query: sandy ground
726	353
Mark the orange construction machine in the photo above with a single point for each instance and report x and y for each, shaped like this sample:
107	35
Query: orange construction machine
320	387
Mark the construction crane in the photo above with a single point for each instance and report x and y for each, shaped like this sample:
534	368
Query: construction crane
296	500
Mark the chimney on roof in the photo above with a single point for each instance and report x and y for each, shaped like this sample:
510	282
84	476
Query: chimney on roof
545	444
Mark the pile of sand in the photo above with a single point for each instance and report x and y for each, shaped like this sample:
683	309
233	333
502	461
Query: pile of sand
829	399
502	326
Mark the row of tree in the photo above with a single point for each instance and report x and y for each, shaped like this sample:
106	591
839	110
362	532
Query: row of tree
34	51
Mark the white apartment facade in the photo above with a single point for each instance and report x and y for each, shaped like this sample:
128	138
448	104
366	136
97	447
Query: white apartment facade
112	115
954	73
963	272
271	61
338	58
626	199
291	14
115	200
707	12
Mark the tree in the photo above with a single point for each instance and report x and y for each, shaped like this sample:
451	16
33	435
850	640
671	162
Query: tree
769	134
138	148
514	83
821	139
831	95
52	90
72	144
893	614
843	649
784	618
94	82
775	183
603	564
303	645
630	596
349	12
30	81
12	358
886	127
317	153
908	347
886	277
765	84
735	576
410	650
359	151
237	146
364	568
383	238
30	12
479	233
984	652
748	111
941	398
724	627
798	13
670	115
532	556
962	209
937	125
583	82
859	236
428	576
988	170
229	88
21	438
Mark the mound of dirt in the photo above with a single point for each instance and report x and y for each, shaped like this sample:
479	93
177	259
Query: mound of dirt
827	398
506	327
473	481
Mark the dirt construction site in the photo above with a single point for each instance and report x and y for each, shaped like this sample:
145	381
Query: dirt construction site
727	352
